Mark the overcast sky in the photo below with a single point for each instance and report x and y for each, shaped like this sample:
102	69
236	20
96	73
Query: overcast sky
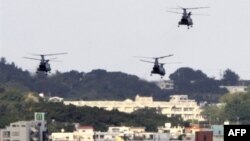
106	34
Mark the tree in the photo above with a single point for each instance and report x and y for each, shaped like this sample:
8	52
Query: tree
237	107
214	114
230	78
187	80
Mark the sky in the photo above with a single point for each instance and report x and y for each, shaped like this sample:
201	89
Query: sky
107	34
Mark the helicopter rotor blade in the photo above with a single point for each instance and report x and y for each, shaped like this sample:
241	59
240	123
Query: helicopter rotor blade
32	58
192	8
143	57
174	12
50	54
147	61
53	60
178	7
171	63
56	54
200	14
163	56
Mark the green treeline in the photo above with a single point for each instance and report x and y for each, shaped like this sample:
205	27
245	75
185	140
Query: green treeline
19	105
234	108
102	85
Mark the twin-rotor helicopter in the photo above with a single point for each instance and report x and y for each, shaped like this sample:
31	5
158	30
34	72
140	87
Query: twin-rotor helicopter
158	67
186	16
44	66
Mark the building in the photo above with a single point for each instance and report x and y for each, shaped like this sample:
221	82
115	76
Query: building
62	136
173	131
25	131
236	89
82	133
218	130
165	84
121	133
178	105
55	99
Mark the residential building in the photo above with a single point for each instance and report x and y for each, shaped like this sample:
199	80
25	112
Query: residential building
55	99
236	89
25	131
62	136
165	84
82	133
178	105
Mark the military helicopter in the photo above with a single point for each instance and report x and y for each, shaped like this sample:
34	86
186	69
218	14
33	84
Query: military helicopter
186	16
44	65
158	68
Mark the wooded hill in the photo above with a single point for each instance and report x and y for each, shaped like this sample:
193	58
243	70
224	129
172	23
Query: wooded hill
102	85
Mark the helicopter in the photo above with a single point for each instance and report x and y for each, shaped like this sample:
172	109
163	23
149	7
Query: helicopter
44	65
158	68
186	16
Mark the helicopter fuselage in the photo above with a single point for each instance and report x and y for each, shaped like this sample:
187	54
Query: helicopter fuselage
186	20
44	67
158	69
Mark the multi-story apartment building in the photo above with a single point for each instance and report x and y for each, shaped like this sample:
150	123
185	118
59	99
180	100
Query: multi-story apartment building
25	131
178	105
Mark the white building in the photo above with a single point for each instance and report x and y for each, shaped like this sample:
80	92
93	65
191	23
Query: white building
165	84
62	136
25	131
82	133
55	99
122	133
178	105
174	131
236	89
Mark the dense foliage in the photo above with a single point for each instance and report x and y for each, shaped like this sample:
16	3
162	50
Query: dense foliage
230	78
98	84
197	84
102	85
234	108
17	105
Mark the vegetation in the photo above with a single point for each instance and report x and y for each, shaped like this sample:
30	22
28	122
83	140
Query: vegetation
230	78
98	84
234	108
19	105
196	84
103	85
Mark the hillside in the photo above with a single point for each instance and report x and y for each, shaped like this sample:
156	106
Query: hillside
97	84
18	105
102	85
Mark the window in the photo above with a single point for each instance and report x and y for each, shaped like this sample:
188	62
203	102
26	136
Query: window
6	134
101	136
15	134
